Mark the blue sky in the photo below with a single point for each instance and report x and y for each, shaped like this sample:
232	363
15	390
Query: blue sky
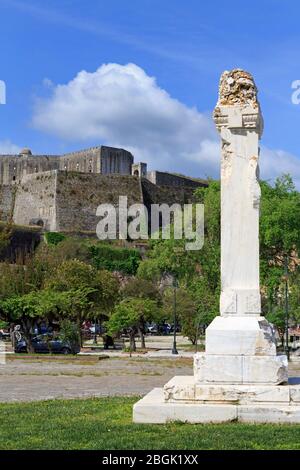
159	106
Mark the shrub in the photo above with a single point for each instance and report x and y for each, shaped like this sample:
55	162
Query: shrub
115	259
69	334
54	238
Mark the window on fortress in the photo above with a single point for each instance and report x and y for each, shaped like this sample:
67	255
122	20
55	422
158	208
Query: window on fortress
14	178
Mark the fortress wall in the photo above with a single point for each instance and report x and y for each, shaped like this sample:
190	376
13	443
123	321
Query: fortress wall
106	160
168	179
170	195
7	165
35	201
79	195
6	201
115	161
84	161
154	194
14	167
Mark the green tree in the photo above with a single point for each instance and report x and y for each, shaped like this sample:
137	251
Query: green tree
98	290
186	311
130	315
105	256
279	235
149	270
276	317
141	289
49	256
69	333
294	299
27	309
206	300
210	255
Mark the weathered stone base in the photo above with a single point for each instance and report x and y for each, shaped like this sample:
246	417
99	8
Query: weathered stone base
185	389
239	369
240	350
153	409
243	335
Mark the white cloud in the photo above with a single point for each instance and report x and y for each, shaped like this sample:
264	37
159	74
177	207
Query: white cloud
7	148
274	163
123	106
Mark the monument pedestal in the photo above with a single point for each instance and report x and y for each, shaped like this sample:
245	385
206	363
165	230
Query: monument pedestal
240	350
246	380
183	400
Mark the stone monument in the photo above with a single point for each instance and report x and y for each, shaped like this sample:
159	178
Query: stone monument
240	376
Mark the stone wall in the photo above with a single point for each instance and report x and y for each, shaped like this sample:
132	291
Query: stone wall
79	195
35	202
84	161
14	167
115	161
154	194
105	160
169	179
6	201
67	201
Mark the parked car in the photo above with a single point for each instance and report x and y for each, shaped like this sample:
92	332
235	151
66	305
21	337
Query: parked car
46	344
4	335
152	329
99	329
178	328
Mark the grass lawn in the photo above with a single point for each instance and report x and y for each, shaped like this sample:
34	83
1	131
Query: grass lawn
106	423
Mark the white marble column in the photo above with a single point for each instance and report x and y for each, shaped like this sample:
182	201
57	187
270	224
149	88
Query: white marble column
238	119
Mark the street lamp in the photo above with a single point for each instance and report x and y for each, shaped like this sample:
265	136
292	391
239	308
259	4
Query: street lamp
95	332
286	307
175	285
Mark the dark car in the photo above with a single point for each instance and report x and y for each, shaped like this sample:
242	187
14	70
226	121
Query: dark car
47	344
4	335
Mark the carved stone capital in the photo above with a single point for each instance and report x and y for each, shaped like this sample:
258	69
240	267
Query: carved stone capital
237	106
240	117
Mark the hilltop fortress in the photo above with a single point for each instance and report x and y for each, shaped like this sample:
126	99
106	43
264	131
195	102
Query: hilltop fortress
62	192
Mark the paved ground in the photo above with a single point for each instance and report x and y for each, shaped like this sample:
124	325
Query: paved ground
23	379
40	379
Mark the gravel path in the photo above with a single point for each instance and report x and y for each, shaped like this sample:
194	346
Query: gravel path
29	380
